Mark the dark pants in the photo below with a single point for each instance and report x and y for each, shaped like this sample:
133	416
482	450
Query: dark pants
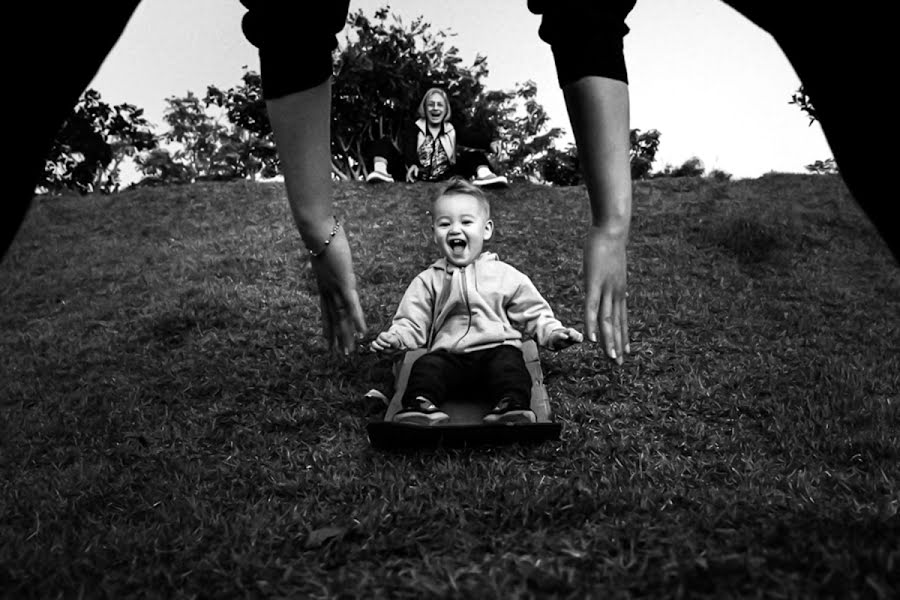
840	52
466	165
499	371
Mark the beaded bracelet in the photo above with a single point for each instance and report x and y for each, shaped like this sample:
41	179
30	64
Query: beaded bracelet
334	230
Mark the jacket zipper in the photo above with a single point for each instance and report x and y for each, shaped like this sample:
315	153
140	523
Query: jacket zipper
465	287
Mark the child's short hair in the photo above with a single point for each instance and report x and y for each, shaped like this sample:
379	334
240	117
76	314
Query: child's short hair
461	185
440	92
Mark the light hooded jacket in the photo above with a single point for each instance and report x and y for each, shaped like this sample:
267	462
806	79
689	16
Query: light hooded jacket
482	305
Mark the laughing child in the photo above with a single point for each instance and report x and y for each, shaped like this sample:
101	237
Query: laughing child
469	309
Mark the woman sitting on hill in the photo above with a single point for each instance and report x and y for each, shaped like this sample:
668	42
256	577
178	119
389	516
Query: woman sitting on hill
432	149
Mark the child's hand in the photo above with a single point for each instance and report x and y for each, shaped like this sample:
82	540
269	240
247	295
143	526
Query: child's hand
563	338
386	342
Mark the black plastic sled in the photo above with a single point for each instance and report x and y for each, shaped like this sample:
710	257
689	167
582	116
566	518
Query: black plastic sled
466	411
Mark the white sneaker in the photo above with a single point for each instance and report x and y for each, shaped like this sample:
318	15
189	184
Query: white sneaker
378	177
488	179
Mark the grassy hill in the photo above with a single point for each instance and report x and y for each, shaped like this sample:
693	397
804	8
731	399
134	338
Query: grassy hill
171	425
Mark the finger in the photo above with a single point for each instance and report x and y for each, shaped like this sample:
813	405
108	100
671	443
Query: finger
606	325
382	342
336	339
351	321
356	312
346	331
327	322
343	327
591	308
624	318
617	332
332	303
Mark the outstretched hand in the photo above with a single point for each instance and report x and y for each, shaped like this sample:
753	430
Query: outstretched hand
342	315
563	338
605	304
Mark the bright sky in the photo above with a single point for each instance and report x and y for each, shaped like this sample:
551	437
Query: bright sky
715	86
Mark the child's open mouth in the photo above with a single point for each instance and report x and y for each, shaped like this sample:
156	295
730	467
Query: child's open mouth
457	244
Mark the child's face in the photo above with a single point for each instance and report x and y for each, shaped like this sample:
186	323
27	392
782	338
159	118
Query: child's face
461	226
435	109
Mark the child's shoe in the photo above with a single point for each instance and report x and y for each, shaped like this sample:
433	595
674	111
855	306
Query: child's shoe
510	412
420	411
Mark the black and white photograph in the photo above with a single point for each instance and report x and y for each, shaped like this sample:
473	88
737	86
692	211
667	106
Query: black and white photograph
393	299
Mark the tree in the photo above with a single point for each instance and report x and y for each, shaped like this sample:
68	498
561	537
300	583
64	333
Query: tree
524	137
383	69
381	75
387	67
643	152
197	133
88	151
562	167
202	146
246	109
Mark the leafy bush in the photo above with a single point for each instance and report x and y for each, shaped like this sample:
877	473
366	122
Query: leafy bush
252	141
93	142
160	167
205	147
823	167
383	68
692	167
719	175
643	152
560	167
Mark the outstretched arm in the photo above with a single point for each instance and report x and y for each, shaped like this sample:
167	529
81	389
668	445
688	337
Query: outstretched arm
599	112
301	122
